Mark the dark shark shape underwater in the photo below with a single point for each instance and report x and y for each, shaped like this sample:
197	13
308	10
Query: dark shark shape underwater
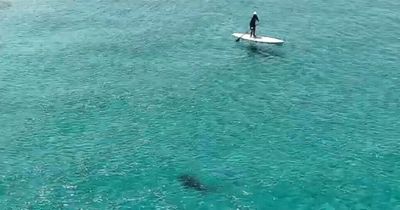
192	182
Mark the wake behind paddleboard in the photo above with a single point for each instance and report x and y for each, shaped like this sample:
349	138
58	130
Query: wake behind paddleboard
259	39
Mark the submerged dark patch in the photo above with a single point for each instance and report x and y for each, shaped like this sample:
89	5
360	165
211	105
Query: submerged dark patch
191	182
5	4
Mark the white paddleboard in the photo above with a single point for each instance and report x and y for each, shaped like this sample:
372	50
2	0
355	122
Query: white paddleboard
260	39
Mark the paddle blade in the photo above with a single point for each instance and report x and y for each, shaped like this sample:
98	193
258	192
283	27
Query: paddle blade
238	39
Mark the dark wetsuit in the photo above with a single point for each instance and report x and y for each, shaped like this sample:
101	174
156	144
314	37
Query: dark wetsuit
253	25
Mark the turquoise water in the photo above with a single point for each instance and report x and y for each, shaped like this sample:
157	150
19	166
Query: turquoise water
104	104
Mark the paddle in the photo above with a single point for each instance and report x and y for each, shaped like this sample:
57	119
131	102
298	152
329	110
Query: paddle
238	39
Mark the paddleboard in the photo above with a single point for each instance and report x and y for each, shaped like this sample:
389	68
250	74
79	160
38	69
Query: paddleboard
260	39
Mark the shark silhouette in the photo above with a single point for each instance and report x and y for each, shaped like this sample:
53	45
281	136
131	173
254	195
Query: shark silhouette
192	182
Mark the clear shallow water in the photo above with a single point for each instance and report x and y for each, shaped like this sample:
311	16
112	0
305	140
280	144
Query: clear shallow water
105	103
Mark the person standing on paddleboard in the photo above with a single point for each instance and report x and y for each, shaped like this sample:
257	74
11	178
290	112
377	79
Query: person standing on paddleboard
253	25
